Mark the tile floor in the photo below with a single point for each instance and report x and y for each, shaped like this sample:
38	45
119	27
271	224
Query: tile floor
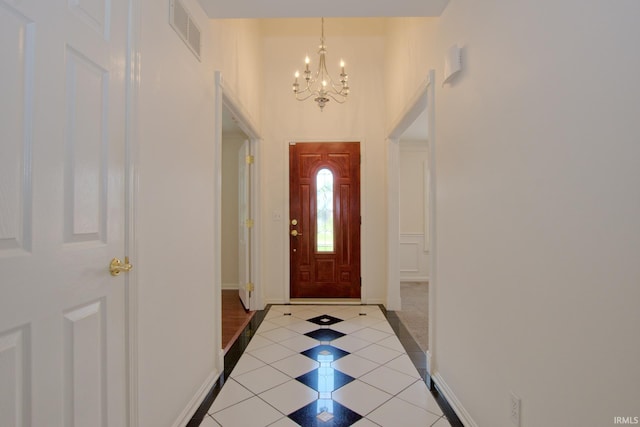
324	365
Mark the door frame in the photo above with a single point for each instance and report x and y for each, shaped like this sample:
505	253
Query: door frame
131	173
287	220
423	99
224	96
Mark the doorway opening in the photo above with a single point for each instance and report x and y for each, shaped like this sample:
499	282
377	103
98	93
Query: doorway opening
414	229
324	215
237	208
235	232
412	248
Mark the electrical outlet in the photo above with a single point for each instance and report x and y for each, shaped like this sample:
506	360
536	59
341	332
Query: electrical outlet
515	410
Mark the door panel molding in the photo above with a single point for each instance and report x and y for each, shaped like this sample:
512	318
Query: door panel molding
18	35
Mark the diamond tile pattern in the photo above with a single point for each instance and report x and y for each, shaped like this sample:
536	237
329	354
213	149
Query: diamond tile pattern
325	353
325	379
351	370
325	334
325	413
324	320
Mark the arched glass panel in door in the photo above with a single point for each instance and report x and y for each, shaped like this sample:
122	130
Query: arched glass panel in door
325	234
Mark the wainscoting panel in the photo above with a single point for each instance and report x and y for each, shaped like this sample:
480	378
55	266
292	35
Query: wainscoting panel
414	259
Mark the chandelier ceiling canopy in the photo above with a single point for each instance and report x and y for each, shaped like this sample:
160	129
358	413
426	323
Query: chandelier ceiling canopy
319	85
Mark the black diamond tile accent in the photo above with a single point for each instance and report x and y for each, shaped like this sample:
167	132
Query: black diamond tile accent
325	379
325	353
325	334
315	414
324	320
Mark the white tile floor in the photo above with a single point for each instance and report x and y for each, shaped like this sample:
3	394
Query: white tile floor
362	378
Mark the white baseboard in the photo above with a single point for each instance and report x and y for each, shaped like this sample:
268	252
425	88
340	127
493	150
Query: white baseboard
230	286
196	400
455	404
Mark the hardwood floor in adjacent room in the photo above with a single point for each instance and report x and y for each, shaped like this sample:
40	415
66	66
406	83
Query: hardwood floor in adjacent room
234	317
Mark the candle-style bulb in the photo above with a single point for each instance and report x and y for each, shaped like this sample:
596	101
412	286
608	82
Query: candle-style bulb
306	60
341	63
297	74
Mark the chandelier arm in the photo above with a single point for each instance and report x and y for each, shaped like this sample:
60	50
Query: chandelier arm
340	100
338	88
305	98
306	89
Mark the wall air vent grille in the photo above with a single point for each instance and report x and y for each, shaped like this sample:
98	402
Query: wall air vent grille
183	23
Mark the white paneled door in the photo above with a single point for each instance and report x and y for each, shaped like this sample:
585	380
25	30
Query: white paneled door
62	142
245	223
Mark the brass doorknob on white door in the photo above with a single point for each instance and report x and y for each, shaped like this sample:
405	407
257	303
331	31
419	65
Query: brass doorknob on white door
295	233
116	266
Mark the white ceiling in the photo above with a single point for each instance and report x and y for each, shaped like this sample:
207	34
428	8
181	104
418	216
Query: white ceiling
328	8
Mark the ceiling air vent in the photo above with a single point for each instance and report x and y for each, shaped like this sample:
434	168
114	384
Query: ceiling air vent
183	23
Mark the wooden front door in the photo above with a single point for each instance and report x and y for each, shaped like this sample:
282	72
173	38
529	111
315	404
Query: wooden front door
324	215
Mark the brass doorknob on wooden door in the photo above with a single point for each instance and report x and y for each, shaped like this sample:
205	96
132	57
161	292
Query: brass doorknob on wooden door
116	266
295	233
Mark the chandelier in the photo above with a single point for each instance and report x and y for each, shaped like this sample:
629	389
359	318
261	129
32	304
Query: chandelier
320	85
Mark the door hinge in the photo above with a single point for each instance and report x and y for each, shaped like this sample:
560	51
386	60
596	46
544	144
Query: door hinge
361	282
249	287
248	223
249	159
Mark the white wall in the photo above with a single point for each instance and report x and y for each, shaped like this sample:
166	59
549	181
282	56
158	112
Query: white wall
414	248
413	158
230	237
537	207
361	44
175	221
410	51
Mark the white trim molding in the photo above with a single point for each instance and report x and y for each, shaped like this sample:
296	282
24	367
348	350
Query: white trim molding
394	299
186	415
453	401
132	94
413	258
